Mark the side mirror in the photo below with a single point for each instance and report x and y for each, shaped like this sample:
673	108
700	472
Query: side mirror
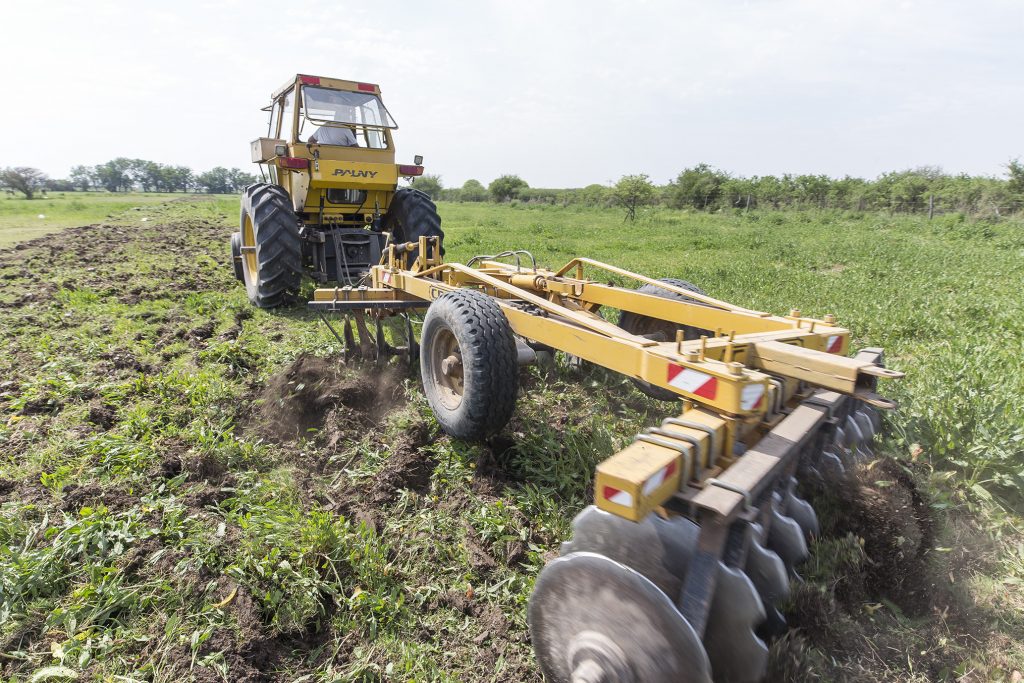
418	160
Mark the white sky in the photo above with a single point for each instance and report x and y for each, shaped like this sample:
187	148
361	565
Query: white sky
561	93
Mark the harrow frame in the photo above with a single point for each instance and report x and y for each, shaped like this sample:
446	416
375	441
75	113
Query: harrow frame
763	396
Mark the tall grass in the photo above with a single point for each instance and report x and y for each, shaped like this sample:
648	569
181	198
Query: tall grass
943	297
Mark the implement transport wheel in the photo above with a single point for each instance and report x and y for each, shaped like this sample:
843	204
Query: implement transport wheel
412	215
236	255
468	364
661	330
594	620
271	248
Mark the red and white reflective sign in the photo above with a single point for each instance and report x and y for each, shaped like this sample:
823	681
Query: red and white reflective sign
693	381
835	344
618	497
752	396
663	475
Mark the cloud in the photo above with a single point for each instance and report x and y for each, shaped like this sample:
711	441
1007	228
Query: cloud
561	93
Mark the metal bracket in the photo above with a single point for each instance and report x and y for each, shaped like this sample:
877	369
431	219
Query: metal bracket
692	454
732	487
707	429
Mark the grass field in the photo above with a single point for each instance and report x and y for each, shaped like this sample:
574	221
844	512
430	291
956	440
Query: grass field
191	489
20	218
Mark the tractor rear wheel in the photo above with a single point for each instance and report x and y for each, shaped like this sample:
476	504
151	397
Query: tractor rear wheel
236	255
661	330
468	364
271	248
412	215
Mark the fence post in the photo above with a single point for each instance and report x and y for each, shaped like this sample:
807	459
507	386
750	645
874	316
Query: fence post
931	206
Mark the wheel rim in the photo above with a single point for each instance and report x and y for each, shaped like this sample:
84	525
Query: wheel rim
249	255
447	369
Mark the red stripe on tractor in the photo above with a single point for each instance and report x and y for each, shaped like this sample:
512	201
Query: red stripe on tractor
709	389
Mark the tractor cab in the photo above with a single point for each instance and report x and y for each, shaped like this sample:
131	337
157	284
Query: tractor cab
329	144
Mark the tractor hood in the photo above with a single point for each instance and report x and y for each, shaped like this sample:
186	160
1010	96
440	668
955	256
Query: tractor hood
353	174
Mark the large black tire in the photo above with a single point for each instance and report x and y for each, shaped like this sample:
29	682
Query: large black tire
412	215
273	272
468	363
661	330
236	255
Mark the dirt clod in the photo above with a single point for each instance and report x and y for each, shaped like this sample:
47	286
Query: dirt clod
409	466
888	511
315	396
102	414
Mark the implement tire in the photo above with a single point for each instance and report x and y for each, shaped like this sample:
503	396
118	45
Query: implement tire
236	255
272	272
661	330
469	365
411	215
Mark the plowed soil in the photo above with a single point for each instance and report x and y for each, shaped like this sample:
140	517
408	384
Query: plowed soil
195	490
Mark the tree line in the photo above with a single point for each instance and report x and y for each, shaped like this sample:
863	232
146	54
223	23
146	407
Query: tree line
127	175
705	188
700	187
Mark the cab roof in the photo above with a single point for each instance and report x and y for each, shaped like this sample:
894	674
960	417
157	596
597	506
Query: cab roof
332	83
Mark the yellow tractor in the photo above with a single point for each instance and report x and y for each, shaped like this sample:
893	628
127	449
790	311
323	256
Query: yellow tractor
680	568
330	199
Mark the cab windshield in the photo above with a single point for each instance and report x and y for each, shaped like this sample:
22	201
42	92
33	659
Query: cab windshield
361	113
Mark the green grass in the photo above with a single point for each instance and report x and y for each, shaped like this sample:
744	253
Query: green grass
20	218
942	297
152	528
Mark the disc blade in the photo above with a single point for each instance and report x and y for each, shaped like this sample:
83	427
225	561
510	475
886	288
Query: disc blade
786	539
852	432
831	466
875	416
736	654
867	428
767	571
802	511
594	616
840	438
659	549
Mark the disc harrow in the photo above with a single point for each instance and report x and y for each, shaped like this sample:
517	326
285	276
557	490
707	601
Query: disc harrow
679	569
725	576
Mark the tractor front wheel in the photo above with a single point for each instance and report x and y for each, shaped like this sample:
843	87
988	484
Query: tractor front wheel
468	364
271	248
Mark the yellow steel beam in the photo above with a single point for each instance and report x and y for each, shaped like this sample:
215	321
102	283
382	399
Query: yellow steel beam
681	312
348	294
852	376
702	311
723	386
579	263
